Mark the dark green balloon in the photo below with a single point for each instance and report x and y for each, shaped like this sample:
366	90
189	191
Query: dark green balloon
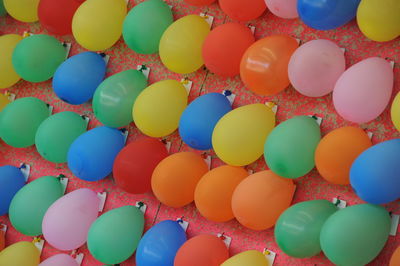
2	8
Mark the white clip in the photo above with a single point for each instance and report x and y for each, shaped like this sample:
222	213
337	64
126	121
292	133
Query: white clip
3	227
226	239
102	197
39	243
26	170
229	95
252	28
144	69
208	159
341	204
343	49
141	206
51	108
106	57
273	106
10	96
184	224
167	144
67	46
64	182
208	18
187	84
250	171
318	119
394	224
270	256
298	41
87	120
79	258
370	134
125	133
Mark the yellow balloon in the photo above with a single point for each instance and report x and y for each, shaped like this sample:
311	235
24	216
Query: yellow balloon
22	10
158	108
180	45
97	24
239	136
379	20
3	101
247	258
8	76
20	254
395	111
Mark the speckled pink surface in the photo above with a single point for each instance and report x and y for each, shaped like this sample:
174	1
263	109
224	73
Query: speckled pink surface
291	103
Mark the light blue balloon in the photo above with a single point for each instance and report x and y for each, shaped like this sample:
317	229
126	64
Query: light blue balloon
11	180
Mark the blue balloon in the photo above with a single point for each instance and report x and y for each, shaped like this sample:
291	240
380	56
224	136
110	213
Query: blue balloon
91	156
159	245
375	174
11	180
200	117
327	14
76	80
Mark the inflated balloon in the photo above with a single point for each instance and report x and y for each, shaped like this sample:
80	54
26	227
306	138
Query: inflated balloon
394	111
91	156
219	55
67	221
59	260
327	14
20	120
394	260
355	235
239	136
76	80
250	197
250	257
158	108
160	243
2	12
141	32
22	10
97	24
114	98
11	180
198	121
283	8
8	76
2	240
337	151
175	178
243	10
20	253
135	164
264	65
315	67
114	236
180	44
3	101
199	2
369	79
213	194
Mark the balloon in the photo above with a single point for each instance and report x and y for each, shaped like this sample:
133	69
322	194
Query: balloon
175	178
21	253
379	21
181	42
337	151
157	109
219	55
315	67
198	121
59	260
76	80
250	257
369	79
264	65
374	174
114	98
327	14
355	235
243	10
8	76
239	135
11	180
251	195
3	101
160	243
213	194
67	221
283	8
135	164
394	260
20	120
141	32
199	2
97	24
2	240
202	250
91	156
2	12
22	10
114	236
290	148
394	111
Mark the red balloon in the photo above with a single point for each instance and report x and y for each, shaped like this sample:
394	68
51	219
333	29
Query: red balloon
134	165
243	10
199	2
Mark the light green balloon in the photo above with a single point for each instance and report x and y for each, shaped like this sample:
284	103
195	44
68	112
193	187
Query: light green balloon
297	230
114	98
355	235
20	120
114	236
289	149
145	24
31	202
2	8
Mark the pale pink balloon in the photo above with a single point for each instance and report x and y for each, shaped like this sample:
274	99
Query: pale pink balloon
66	223
59	260
283	8
315	67
363	91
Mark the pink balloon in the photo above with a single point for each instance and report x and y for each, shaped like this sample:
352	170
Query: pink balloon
59	260
66	223
363	91
283	8
315	67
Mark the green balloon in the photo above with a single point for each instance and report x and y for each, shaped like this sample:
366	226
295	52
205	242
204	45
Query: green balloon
114	98
297	230
114	236
37	57
31	202
289	149
355	235
3	10
56	134
145	24
20	120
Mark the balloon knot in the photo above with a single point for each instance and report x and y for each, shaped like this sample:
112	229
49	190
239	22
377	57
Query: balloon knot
227	93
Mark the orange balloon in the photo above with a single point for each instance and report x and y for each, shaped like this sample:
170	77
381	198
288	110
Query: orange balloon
243	10
260	199
202	250
395	259
2	240
264	66
213	194
175	178
337	151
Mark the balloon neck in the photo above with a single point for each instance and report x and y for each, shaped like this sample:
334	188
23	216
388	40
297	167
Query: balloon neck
60	176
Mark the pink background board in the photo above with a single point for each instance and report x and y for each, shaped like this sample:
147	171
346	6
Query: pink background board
291	103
